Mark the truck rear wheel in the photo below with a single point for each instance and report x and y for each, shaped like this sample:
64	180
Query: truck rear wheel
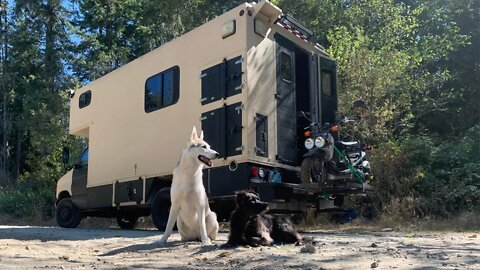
127	222
161	208
67	214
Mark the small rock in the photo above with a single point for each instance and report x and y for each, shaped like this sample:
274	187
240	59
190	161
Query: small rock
374	265
185	246
224	254
308	248
374	245
27	248
64	257
472	236
204	259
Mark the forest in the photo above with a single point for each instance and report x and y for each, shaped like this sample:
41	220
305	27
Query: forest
415	63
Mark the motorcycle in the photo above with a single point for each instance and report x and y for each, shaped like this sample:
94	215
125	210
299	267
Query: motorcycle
336	166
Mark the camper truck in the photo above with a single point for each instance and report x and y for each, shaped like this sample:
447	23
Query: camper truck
242	78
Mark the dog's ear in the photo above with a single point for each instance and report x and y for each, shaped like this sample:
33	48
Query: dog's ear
240	196
201	135
194	135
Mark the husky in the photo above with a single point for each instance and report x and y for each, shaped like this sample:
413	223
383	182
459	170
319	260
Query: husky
190	209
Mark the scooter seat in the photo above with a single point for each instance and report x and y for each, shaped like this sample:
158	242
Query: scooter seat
346	145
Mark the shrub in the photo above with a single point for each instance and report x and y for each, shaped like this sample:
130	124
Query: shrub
417	177
27	203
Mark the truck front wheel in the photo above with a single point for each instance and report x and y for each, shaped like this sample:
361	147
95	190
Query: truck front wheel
161	208
67	214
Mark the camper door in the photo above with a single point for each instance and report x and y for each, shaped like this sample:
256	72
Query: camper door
306	85
328	90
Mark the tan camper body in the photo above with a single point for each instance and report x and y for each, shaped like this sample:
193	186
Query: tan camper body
133	150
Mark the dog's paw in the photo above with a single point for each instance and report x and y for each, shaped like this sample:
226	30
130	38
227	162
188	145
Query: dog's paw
206	242
160	242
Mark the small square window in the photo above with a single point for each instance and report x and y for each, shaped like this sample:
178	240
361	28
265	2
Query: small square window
85	99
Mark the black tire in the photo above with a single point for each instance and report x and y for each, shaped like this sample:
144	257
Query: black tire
310	169
67	214
161	208
127	222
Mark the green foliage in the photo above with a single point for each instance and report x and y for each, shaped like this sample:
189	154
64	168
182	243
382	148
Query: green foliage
28	202
418	177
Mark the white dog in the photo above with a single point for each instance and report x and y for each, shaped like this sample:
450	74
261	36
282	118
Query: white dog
190	209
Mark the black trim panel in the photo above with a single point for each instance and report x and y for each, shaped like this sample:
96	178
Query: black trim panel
129	191
79	186
222	80
221	181
100	196
222	128
261	135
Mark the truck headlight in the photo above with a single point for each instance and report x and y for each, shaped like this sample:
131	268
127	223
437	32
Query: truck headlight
309	143
319	142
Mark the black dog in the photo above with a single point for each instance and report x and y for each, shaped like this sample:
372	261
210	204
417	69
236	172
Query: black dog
250	226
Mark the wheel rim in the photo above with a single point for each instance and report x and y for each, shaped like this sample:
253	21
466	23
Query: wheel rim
66	213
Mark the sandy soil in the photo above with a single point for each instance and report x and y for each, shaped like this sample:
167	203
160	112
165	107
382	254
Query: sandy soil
24	247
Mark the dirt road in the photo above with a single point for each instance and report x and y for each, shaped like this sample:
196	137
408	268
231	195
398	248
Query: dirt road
56	248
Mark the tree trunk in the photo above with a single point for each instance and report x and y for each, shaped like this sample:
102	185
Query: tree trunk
4	84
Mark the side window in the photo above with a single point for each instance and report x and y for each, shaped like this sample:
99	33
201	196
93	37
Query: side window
83	162
286	67
326	83
85	99
162	89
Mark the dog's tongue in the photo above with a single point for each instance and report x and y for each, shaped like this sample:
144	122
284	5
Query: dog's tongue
205	160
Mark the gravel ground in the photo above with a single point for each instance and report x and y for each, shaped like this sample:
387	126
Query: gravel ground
25	247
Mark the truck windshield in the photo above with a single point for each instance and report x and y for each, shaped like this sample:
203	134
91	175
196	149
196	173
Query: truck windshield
84	158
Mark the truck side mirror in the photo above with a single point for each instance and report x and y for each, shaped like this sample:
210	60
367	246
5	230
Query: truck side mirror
65	156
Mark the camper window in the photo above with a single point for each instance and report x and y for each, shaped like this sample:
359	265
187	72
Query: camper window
326	83
85	99
162	90
286	67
